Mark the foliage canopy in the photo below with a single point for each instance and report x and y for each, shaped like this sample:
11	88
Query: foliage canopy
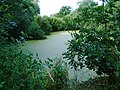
97	44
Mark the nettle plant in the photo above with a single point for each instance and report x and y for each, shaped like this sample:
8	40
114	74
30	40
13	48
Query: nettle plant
97	44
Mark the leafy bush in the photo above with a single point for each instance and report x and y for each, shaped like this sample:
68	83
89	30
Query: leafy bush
22	72
19	71
57	23
16	17
45	25
35	32
58	74
96	45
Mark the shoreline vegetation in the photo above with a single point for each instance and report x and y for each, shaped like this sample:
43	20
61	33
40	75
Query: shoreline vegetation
96	45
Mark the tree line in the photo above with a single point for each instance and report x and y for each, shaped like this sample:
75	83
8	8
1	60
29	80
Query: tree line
95	45
21	20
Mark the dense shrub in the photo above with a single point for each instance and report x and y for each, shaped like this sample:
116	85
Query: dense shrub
19	71
59	74
45	25
35	31
17	17
22	72
57	23
96	45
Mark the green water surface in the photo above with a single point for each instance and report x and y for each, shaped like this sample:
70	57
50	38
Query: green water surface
54	46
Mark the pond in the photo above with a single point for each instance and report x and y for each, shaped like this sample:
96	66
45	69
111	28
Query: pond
54	46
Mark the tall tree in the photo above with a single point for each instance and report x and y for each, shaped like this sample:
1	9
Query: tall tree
65	10
97	44
16	17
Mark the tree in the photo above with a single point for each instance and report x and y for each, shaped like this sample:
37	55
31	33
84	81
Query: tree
70	22
85	3
57	23
96	45
16	17
65	10
45	24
